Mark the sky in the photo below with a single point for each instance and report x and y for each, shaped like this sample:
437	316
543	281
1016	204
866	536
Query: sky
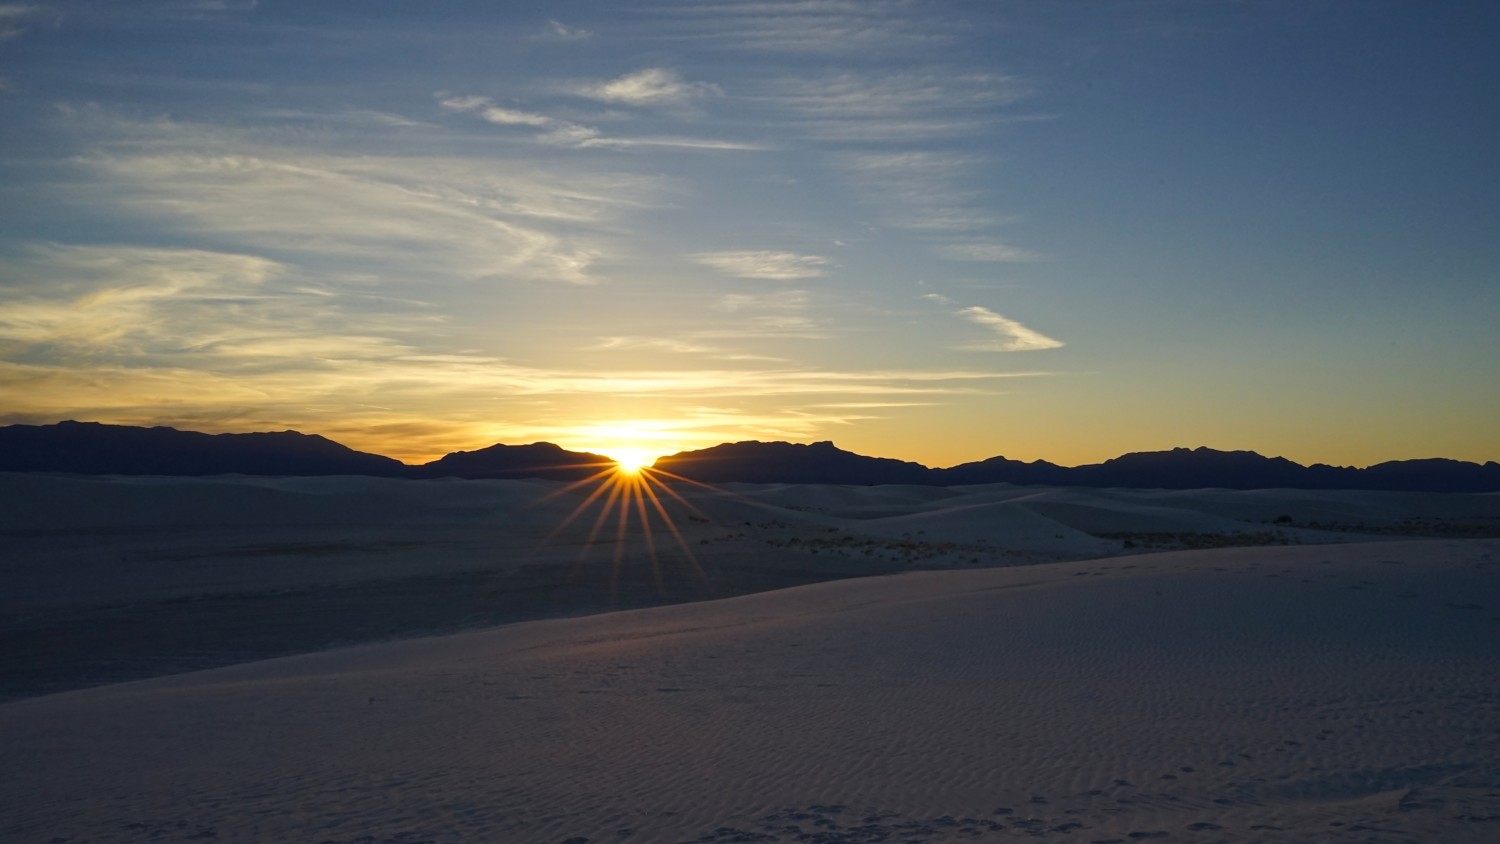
936	231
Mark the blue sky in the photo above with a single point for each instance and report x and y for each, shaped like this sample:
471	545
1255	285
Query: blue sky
939	231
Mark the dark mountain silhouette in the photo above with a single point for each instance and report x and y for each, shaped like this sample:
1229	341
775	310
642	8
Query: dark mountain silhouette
1183	468
93	448
1433	473
791	463
1180	468
1003	470
539	460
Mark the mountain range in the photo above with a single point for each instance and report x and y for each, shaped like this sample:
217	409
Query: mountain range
98	449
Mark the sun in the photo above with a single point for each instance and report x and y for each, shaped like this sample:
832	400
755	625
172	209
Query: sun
634	500
631	460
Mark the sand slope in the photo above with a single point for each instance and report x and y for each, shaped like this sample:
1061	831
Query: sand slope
1334	693
110	579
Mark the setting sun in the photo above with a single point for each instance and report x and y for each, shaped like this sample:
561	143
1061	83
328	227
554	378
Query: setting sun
631	460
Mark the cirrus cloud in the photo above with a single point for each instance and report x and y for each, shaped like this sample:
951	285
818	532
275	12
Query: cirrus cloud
653	86
776	266
1007	335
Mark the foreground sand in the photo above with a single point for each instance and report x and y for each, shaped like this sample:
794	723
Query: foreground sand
1331	693
110	579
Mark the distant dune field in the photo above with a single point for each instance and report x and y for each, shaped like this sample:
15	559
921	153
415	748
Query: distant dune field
1023	663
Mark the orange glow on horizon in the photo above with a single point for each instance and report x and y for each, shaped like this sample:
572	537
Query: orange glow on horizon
629	460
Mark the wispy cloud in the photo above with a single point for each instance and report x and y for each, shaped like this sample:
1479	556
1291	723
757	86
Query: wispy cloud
1006	335
853	95
514	117
670	142
920	190
874	405
353	209
487	110
776	266
196	9
802	26
563	133
462	102
15	18
80	299
890	108
675	347
778	300
988	251
779	314
895	137
929	193
559	31
653	86
569	134
652	344
218	5
453	217
353	119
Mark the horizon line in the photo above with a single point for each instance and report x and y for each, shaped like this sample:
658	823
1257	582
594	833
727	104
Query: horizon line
592	453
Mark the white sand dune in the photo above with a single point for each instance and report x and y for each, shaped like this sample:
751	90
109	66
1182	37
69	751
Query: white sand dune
1330	692
1336	693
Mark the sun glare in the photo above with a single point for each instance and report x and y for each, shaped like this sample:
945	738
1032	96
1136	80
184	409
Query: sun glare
631	460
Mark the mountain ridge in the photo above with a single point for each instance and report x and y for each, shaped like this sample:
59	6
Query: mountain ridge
98	448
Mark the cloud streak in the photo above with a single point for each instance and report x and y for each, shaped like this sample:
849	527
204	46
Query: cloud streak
894	136
902	107
986	251
837	27
775	266
566	133
449	217
1007	335
781	314
15	17
652	86
559	31
674	346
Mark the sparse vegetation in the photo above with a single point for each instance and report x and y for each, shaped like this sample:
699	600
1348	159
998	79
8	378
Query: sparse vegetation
1186	541
1415	526
906	550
